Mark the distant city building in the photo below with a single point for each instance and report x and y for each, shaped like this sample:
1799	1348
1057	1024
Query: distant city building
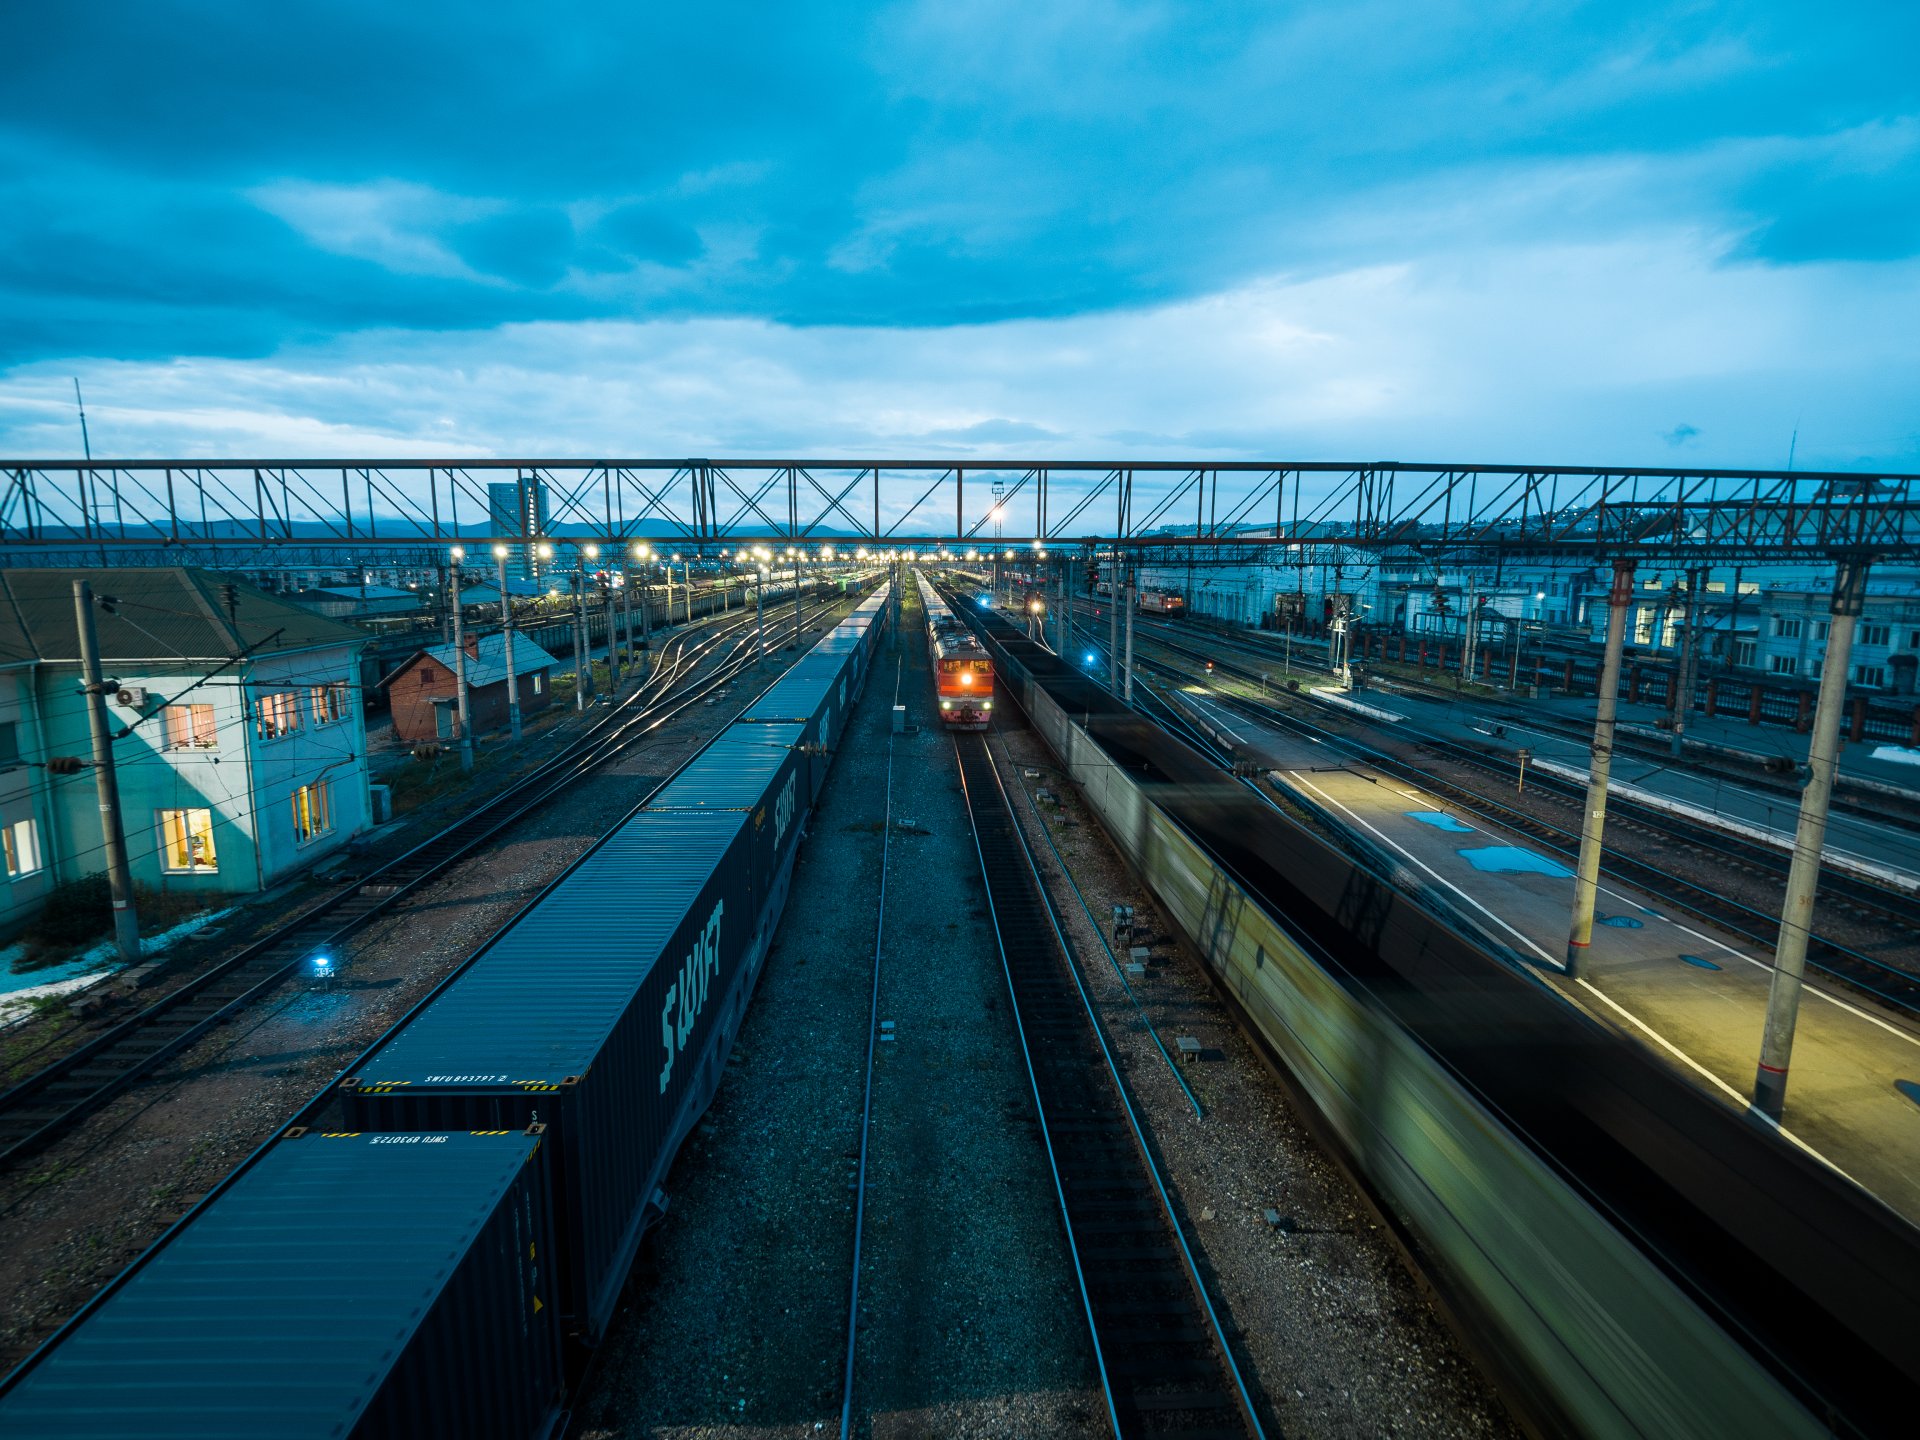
240	742
519	507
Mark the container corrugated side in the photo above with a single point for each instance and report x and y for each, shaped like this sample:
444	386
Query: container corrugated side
595	1012
342	1285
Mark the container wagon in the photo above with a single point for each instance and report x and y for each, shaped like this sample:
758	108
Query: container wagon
415	1277
606	1012
371	1286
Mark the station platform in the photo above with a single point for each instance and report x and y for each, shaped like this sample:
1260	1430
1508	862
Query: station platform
1558	731
1694	997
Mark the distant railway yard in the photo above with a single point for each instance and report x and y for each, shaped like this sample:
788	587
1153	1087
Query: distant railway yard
1200	1063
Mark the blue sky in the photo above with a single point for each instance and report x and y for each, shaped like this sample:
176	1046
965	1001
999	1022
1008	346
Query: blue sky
1586	233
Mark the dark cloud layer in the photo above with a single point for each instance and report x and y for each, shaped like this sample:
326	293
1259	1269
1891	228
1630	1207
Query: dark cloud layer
459	167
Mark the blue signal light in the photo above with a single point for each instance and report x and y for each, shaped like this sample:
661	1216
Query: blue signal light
322	967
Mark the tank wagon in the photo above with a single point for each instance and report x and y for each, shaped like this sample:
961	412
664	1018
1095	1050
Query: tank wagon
962	669
432	1269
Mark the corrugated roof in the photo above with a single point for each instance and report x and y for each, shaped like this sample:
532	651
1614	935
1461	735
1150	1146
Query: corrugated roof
363	592
168	614
285	1303
491	666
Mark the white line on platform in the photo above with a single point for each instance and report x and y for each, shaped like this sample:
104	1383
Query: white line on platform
1366	825
1694	1065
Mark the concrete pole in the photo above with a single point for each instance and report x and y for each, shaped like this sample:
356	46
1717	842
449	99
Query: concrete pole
463	718
126	921
760	611
1803	874
1126	669
1113	628
1682	696
796	601
1586	879
626	625
686	585
668	567
506	634
582	653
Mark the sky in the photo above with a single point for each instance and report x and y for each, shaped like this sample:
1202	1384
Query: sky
1623	233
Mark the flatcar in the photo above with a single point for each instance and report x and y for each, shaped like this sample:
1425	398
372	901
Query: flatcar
962	669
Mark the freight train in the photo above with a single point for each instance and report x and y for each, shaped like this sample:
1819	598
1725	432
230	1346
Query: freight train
440	1263
962	669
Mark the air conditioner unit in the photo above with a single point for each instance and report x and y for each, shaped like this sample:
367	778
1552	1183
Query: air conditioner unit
134	697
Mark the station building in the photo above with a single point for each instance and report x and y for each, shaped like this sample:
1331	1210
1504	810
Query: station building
238	722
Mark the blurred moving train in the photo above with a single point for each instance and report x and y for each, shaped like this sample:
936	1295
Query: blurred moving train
962	669
441	1262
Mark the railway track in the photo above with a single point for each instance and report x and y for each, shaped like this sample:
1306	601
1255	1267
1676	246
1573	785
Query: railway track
1871	903
52	1100
1164	1360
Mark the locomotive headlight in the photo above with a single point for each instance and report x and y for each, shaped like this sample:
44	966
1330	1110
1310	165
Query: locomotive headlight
946	704
966	679
986	704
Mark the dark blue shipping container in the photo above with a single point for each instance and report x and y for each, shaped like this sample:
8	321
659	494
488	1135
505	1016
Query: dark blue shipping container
341	1285
762	770
606	1011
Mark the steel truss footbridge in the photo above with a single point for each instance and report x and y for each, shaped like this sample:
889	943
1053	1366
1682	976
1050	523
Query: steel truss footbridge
324	512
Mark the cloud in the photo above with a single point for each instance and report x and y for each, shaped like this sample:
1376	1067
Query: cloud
1529	354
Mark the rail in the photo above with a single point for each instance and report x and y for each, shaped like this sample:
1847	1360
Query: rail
1164	1360
46	1104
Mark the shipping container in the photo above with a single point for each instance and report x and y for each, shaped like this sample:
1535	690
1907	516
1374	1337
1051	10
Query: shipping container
814	694
605	1012
763	770
340	1285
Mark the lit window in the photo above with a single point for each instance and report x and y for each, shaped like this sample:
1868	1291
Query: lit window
22	845
329	703
539	682
186	838
277	714
191	727
312	811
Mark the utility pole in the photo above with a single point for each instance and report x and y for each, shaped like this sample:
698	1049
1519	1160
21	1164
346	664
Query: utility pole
1126	670
506	634
1586	879
582	657
1803	874
760	610
797	557
1688	662
465	720
626	623
1113	626
126	922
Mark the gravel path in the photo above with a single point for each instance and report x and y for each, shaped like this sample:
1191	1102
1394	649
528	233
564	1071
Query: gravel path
75	1214
1337	1337
739	1325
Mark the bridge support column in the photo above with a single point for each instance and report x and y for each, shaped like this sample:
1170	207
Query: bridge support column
1803	874
1586	877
